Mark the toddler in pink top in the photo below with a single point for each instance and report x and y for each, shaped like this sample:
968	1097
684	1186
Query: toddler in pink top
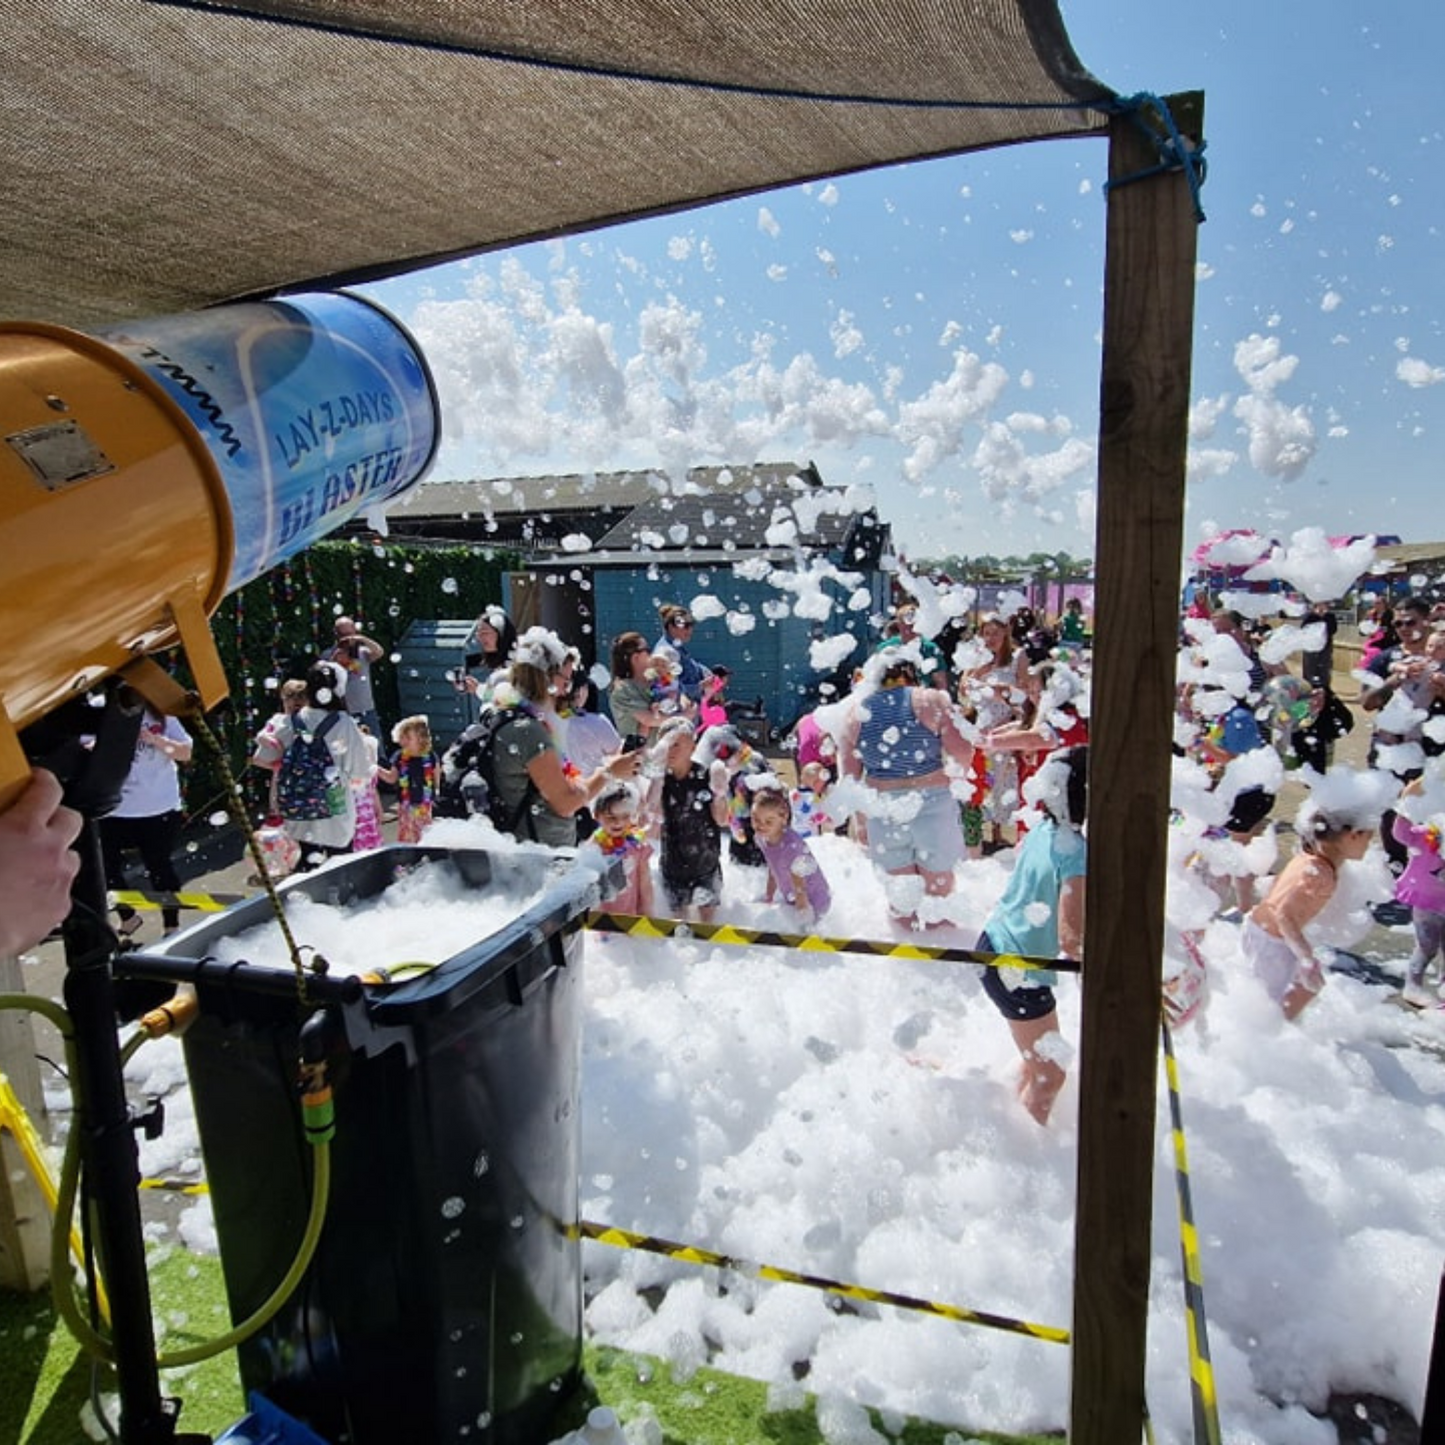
1422	888
620	835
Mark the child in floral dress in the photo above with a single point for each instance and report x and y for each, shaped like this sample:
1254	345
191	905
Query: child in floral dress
413	770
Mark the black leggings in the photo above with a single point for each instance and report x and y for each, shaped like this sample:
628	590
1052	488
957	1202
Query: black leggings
1031	1001
153	838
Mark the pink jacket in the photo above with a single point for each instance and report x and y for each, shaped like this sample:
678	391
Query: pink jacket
1422	884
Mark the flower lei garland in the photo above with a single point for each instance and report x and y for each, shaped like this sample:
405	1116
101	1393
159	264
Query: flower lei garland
427	795
620	845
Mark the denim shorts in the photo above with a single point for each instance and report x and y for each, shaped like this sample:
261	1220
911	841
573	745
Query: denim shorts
930	838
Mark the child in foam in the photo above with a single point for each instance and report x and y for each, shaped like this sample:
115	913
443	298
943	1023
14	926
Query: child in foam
620	834
1041	915
809	801
691	800
793	872
712	709
368	804
1421	887
1274	937
664	683
745	772
413	770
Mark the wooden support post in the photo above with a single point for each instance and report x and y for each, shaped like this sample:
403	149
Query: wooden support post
1148	332
24	1216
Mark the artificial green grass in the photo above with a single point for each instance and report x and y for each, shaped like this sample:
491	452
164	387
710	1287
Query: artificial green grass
45	1383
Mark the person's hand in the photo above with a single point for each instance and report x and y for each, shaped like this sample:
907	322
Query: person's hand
37	865
624	765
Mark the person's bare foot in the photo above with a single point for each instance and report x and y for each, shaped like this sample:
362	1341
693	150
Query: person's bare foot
1039	1083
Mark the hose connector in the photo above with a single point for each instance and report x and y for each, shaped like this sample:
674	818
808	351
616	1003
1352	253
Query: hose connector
318	1112
174	1016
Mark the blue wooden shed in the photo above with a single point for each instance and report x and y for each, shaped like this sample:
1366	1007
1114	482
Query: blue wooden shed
769	559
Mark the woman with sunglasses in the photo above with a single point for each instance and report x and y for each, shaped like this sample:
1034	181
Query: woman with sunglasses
637	707
677	629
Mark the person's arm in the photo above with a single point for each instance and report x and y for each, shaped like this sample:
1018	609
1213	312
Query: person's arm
634	710
721	781
935	710
1071	918
566	797
1375	694
643	864
269	746
174	742
369	645
850	765
37	864
1015	738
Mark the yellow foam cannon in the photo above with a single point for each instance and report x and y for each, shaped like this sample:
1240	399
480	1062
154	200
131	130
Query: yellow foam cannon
147	471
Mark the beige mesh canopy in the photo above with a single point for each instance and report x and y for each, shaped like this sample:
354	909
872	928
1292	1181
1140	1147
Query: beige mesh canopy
157	157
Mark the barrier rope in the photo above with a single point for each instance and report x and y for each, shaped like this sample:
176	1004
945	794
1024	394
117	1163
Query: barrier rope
692	1254
639	926
1175	152
1201	1371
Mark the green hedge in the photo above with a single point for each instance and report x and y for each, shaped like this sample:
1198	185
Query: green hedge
272	628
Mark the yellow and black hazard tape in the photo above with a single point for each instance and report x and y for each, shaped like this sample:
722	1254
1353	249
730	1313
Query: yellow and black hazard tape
177	1186
1201	1370
15	1122
203	902
634	926
692	1254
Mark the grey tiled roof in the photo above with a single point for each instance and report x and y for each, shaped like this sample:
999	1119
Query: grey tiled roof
740	509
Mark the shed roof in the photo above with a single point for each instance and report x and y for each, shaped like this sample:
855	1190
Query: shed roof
165	156
715	512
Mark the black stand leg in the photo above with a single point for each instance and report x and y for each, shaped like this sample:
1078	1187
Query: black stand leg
1432	1416
110	1160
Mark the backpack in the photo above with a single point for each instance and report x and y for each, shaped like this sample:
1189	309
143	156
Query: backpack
308	785
468	786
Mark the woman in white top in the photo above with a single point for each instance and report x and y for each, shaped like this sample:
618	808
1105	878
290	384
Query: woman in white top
321	838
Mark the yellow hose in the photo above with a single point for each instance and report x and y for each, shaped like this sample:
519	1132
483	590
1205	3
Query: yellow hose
320	1195
61	1280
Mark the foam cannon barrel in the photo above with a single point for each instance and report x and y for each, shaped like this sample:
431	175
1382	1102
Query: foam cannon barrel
150	469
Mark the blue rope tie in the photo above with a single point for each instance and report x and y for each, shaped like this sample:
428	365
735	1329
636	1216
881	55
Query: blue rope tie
1175	154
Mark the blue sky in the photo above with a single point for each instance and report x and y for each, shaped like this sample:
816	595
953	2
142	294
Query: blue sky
932	330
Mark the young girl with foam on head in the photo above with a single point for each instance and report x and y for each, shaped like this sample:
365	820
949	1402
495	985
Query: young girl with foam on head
413	769
792	869
620	835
